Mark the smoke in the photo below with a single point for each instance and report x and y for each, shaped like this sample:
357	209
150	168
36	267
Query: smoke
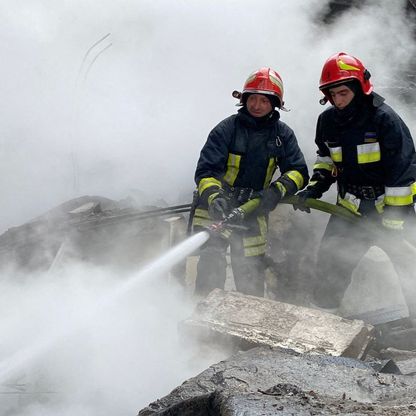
137	114
134	118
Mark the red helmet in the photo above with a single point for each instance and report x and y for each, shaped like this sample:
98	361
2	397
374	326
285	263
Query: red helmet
263	81
342	67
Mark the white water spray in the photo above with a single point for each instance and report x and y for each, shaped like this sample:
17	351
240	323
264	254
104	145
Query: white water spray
26	356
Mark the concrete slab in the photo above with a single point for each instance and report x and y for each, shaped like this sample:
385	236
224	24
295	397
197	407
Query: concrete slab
254	321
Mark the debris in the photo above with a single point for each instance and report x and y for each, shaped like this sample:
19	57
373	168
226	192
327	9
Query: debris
252	321
300	384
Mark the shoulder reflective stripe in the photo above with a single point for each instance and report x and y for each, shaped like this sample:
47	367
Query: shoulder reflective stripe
206	183
336	153
233	166
351	202
296	177
270	171
398	195
368	152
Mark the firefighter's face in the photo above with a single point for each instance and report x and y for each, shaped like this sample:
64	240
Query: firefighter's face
258	105
341	96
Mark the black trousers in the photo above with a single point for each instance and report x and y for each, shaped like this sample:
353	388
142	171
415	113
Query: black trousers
342	247
248	272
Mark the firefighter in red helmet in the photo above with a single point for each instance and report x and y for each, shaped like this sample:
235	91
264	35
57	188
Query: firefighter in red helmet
237	162
367	149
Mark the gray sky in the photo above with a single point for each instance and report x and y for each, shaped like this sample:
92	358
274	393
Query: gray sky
137	121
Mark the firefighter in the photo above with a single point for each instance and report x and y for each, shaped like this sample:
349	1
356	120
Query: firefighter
237	163
367	149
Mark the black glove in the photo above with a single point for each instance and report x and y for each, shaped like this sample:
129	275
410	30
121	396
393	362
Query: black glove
218	208
271	197
303	196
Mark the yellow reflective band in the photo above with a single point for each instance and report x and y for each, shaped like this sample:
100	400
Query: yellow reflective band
206	183
413	186
211	197
346	67
324	166
351	202
201	218
323	162
255	251
233	167
201	213
281	188
296	177
256	246
379	203
271	168
368	152
336	154
399	196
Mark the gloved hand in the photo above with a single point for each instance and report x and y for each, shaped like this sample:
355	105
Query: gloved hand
392	224
218	208
271	197
303	196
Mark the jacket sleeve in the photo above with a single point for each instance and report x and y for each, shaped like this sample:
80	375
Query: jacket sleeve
399	164
322	177
212	161
293	168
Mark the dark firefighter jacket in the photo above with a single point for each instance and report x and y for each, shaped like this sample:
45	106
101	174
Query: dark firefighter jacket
371	156
243	153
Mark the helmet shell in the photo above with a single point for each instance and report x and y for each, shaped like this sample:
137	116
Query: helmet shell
341	68
264	81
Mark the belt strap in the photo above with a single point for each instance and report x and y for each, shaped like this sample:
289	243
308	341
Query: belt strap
365	191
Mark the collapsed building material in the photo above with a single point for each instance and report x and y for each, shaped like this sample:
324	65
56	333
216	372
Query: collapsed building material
271	381
252	321
97	230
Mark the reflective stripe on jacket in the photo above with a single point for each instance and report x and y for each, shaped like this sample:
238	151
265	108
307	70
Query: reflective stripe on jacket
245	153
373	149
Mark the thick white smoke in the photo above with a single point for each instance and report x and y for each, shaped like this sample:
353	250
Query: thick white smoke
135	118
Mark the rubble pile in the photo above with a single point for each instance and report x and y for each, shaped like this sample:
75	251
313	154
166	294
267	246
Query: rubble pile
289	360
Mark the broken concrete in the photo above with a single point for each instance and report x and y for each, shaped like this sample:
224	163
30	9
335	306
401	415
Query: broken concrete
252	321
264	381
